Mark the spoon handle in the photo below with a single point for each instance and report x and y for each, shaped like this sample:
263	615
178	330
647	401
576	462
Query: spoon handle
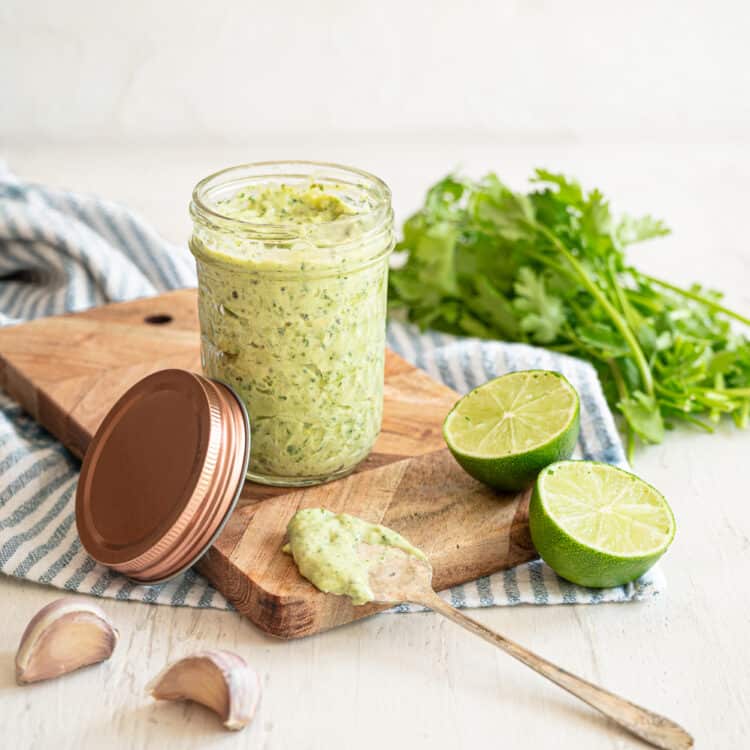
651	727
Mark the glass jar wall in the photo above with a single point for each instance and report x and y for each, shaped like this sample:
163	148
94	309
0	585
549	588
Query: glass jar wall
292	262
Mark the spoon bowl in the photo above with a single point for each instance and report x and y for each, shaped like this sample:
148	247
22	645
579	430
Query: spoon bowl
396	576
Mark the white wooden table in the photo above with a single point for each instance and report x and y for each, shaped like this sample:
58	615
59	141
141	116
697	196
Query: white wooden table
416	680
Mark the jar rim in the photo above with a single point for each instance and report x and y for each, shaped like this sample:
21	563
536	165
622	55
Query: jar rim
200	209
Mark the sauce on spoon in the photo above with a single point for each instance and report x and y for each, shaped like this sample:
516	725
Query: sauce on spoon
325	547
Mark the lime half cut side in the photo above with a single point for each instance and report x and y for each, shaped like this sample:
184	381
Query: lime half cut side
598	525
506	431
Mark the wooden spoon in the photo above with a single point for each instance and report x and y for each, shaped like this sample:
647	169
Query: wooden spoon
396	577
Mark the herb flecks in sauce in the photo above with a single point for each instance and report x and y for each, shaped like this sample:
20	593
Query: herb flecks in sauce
297	328
282	204
325	547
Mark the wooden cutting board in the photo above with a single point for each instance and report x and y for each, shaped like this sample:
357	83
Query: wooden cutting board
68	371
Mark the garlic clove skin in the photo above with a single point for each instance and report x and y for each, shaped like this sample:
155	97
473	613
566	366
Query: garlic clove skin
64	636
219	680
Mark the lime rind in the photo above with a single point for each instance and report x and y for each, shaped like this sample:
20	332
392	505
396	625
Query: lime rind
598	525
506	431
609	493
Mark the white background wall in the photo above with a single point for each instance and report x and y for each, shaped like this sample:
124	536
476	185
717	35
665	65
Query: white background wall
167	71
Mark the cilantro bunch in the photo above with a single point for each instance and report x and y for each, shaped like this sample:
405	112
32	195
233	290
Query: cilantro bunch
548	267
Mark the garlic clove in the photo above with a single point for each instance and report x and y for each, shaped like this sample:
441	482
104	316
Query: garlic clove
64	636
219	680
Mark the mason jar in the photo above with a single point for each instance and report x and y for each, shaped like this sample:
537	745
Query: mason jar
292	262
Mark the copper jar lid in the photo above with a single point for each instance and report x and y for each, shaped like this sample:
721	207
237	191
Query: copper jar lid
162	475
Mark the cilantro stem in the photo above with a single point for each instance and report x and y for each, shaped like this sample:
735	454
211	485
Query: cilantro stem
619	293
564	348
697	298
540	257
622	392
741	392
678	414
641	301
622	389
741	416
592	353
609	308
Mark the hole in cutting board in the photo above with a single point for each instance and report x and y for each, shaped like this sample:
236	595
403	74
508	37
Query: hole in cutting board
158	320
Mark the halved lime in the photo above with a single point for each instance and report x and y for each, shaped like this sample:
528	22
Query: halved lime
506	431
598	525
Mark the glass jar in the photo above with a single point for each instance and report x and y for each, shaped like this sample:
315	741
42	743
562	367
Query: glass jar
292	262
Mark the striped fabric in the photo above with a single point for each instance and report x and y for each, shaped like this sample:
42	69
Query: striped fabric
61	252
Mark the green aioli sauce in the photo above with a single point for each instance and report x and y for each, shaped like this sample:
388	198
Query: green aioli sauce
325	547
283	204
297	325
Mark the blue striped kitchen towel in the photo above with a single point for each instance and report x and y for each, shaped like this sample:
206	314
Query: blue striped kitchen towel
61	252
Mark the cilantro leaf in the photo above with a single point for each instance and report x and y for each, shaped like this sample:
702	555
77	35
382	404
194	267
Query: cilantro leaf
630	230
643	415
541	315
